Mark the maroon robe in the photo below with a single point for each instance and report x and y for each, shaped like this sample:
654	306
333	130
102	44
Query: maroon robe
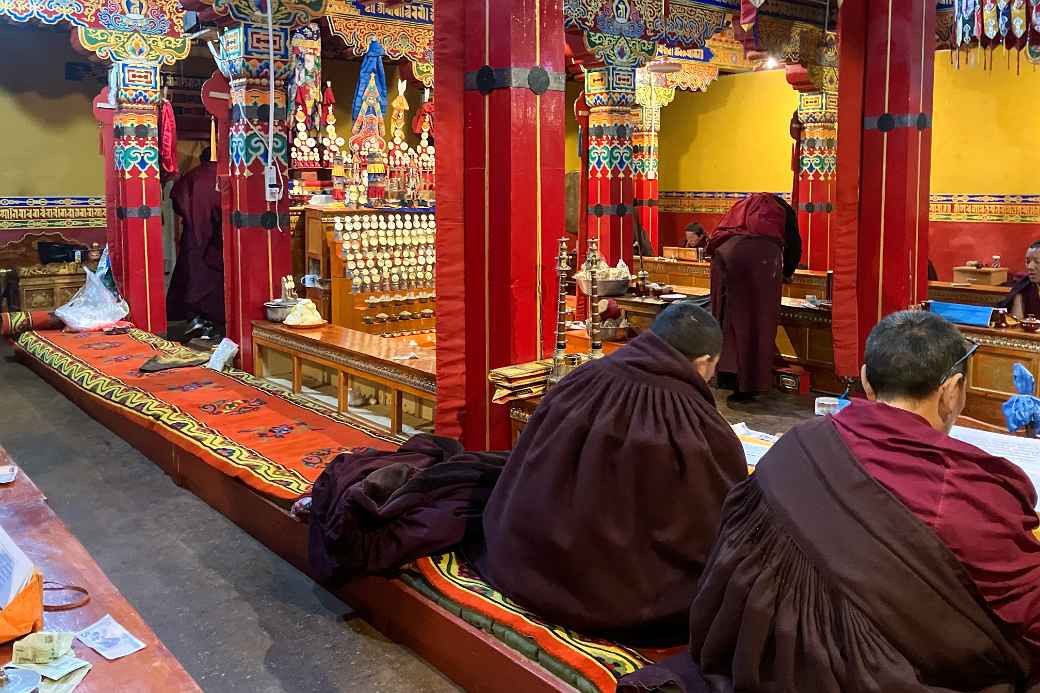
197	285
747	270
607	507
823	581
980	506
1030	294
373	511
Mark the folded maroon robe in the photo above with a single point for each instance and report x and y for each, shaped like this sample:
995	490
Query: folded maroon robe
821	581
607	507
373	511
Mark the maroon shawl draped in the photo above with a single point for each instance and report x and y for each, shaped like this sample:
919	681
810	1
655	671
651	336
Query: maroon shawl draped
757	215
1030	294
607	507
373	511
821	581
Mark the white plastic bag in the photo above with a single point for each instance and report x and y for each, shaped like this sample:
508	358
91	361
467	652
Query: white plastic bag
93	307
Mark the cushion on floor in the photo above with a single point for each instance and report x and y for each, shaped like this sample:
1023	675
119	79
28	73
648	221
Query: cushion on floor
276	442
588	664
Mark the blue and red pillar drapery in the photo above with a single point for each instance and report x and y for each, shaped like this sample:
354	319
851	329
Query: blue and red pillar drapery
257	236
500	206
610	93
129	119
884	161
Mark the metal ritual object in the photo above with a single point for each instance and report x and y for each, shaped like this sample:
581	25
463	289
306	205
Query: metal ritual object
595	336
563	363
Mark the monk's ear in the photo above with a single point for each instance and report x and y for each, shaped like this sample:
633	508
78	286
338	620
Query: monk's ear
867	389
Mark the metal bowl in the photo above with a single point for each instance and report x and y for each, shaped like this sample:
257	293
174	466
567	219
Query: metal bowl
613	334
604	288
277	311
1030	325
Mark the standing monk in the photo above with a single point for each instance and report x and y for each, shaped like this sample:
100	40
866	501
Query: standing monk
1024	298
753	250
197	287
607	507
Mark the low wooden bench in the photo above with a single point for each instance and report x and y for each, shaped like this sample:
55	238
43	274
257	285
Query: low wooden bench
29	520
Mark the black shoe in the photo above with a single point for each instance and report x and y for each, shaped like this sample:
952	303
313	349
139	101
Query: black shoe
741	398
195	329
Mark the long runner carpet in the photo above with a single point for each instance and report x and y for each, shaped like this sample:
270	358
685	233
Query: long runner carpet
276	442
588	664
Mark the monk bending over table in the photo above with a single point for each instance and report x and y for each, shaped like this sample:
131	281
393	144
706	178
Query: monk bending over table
607	507
870	551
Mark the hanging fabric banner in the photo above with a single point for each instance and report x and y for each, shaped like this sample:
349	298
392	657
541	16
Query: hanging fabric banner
371	65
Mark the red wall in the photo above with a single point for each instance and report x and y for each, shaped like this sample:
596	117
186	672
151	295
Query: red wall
952	243
673	224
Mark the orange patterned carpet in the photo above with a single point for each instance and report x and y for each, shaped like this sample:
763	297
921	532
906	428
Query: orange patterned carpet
275	442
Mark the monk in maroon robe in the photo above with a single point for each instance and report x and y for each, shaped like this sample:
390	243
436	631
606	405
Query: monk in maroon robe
607	507
1024	297
197	286
753	250
870	552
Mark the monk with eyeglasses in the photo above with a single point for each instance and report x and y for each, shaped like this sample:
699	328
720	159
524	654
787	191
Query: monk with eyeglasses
871	552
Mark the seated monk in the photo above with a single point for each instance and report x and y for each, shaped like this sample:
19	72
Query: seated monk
1024	297
607	507
871	552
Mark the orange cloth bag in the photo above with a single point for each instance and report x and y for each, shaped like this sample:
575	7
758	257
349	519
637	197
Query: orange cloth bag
24	614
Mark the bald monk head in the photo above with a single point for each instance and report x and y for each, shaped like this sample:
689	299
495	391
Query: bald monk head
607	508
694	333
917	361
871	551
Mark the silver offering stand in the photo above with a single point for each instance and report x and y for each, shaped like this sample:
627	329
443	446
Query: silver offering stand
595	338
563	363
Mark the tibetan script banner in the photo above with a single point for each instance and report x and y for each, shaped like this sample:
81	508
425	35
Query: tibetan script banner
32	213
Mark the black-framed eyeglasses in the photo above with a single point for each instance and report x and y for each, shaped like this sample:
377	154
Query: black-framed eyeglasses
972	346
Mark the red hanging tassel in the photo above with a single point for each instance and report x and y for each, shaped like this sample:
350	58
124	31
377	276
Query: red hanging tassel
167	137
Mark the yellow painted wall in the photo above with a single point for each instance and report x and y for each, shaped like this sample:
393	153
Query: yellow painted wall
984	137
734	137
51	135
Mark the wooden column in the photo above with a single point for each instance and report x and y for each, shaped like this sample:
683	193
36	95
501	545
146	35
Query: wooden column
581	115
500	206
652	94
884	146
257	243
817	166
611	94
137	198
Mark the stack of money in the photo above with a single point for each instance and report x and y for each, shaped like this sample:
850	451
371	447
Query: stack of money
520	381
50	655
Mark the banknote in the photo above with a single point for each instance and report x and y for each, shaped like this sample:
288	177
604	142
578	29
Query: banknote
109	639
66	684
58	669
42	648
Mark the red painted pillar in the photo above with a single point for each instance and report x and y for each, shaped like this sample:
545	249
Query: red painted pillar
500	207
257	243
611	93
817	168
652	94
884	146
137	197
644	157
104	114
581	115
